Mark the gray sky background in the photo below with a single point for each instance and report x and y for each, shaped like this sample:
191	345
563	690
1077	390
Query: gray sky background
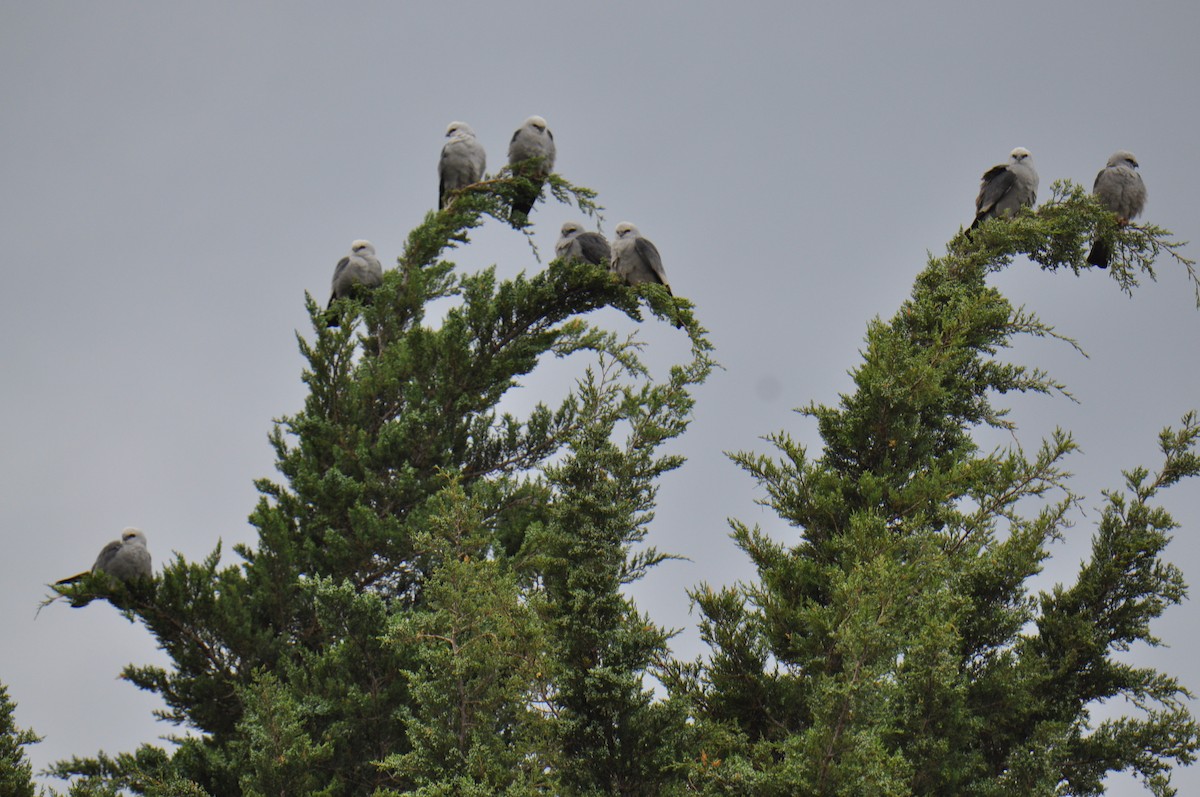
173	178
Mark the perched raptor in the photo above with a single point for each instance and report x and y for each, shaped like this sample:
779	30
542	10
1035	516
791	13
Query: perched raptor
531	155
126	559
1119	188
462	163
575	244
359	268
1006	187
635	259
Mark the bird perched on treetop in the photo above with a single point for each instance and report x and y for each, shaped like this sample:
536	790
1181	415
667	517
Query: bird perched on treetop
126	559
1119	188
531	155
576	244
462	163
359	269
1006	187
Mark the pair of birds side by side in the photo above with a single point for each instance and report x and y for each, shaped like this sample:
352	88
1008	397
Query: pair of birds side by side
631	256
126	559
1008	187
531	154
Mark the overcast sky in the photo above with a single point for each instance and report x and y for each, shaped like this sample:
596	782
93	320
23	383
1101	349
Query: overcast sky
174	177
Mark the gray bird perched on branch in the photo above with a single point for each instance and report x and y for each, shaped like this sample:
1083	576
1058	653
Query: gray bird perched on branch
635	259
576	244
531	155
462	163
126	559
359	268
1120	189
1006	187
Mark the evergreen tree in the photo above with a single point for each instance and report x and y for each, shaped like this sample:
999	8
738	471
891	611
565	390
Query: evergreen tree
894	646
16	774
410	620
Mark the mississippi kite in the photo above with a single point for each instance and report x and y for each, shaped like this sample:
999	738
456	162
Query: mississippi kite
359	268
126	559
635	259
1120	189
531	155
575	244
462	163
1007	187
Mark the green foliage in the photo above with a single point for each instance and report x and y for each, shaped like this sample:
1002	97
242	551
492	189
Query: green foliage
481	673
434	605
893	646
147	771
399	626
16	774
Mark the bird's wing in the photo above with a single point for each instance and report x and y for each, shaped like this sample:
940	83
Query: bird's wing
341	266
107	553
595	248
648	252
997	182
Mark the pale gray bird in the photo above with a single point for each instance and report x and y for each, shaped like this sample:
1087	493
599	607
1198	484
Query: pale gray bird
1119	188
635	259
462	163
359	268
531	155
576	244
126	559
1007	187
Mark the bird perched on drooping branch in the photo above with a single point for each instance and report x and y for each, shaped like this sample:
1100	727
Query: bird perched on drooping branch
462	163
126	559
577	244
1006	188
531	155
635	259
1120	189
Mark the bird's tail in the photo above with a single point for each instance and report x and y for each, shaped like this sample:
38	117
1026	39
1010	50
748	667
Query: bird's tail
1100	254
331	316
522	205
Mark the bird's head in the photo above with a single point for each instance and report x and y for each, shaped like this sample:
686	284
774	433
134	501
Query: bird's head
1123	157
459	129
571	229
360	246
133	536
627	230
1020	155
537	122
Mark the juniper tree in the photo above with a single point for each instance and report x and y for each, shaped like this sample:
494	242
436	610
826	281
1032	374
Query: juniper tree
16	773
894	645
408	619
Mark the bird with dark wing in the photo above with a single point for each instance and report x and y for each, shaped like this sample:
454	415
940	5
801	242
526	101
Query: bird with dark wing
531	155
635	259
1119	188
357	270
126	559
1006	188
576	244
462	163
